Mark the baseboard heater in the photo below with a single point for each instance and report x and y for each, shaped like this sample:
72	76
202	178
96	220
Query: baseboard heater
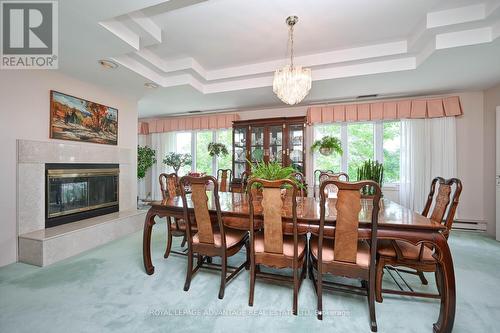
469	225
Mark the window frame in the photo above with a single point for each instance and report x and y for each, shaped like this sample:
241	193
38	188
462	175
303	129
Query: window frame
378	144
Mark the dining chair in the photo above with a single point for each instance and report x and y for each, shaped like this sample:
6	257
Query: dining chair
224	177
169	187
420	257
271	243
347	250
332	189
210	239
316	181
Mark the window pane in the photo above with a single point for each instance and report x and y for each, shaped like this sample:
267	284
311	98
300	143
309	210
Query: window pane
360	146
225	137
203	159
392	143
183	146
331	162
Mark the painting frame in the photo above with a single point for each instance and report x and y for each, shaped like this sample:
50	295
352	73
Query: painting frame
71	119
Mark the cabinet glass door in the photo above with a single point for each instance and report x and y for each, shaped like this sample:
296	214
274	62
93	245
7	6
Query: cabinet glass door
275	143
239	151
296	146
257	144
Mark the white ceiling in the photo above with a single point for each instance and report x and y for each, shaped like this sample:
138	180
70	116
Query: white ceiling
221	54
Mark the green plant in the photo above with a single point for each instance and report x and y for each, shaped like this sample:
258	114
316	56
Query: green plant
328	145
176	160
371	170
273	171
217	149
146	157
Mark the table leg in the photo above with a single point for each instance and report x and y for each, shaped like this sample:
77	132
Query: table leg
146	241
448	288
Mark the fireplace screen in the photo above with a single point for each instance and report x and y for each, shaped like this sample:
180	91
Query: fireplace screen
75	192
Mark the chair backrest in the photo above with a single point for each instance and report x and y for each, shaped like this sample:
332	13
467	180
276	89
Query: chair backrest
169	185
348	206
302	181
332	176
200	205
224	177
272	206
316	181
442	200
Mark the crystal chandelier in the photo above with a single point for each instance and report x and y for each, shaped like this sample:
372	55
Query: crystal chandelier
292	83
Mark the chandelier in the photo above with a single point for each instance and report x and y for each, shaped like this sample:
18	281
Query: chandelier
292	83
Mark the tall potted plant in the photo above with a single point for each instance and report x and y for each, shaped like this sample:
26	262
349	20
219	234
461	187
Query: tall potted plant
177	161
327	146
146	157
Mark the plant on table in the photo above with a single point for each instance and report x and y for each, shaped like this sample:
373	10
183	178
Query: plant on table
273	171
177	160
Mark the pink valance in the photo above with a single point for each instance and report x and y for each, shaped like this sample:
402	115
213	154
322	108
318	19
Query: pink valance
171	124
386	110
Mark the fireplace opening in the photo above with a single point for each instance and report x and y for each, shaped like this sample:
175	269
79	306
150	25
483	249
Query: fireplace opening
78	191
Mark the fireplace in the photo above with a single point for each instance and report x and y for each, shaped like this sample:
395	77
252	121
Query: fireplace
78	191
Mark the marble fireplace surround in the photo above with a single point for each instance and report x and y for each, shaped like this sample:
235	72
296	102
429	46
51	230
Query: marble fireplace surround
38	247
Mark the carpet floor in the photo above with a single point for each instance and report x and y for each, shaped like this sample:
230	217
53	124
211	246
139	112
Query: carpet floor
107	290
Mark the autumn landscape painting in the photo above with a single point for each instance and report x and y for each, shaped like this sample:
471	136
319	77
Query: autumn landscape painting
76	119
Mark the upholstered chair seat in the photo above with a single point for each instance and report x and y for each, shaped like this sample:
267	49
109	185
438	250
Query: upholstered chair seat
362	256
287	245
408	251
233	237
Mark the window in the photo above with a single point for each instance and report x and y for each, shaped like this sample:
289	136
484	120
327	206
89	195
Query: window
183	146
391	146
196	144
360	146
327	162
361	141
203	159
225	137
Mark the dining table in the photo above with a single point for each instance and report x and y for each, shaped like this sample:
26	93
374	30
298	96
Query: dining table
395	222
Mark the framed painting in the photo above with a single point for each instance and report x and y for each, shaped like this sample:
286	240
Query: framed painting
76	119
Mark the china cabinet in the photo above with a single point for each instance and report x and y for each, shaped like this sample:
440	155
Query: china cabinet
268	140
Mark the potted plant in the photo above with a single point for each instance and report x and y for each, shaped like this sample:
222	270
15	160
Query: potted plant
371	170
328	145
217	149
177	161
146	157
271	171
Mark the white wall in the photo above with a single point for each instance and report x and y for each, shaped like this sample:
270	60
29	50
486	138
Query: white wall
24	114
491	101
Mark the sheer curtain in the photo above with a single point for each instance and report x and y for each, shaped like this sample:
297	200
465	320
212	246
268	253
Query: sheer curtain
428	150
162	143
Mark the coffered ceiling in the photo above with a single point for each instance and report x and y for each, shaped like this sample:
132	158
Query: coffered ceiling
217	54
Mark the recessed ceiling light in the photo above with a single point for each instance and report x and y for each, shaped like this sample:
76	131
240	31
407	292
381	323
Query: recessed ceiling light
108	64
150	85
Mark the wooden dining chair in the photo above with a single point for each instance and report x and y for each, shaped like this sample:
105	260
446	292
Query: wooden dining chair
169	187
420	258
224	177
316	181
210	239
347	251
272	244
332	189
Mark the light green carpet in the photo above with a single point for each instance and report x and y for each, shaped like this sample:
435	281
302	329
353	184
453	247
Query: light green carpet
106	290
